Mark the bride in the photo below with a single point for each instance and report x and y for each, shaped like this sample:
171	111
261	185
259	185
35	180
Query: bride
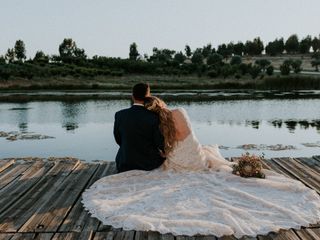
195	192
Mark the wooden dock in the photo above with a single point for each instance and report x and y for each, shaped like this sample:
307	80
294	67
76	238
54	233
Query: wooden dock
41	199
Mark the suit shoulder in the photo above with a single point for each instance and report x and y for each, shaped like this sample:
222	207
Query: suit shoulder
121	112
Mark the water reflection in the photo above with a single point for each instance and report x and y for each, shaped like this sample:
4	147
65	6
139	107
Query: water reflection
227	123
291	125
23	127
70	127
70	114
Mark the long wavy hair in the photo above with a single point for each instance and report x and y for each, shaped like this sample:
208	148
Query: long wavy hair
167	126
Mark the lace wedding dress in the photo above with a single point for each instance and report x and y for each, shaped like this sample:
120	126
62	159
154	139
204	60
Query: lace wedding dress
186	197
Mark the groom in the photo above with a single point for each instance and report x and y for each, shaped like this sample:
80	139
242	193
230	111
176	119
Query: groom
136	131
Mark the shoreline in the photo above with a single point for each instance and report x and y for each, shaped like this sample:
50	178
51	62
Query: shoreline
167	95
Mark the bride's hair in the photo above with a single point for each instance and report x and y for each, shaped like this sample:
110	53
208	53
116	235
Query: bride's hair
167	125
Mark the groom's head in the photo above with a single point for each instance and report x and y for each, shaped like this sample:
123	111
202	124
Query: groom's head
140	91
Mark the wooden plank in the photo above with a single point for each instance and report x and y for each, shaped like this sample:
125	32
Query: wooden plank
25	236
281	235
316	158
22	209
227	238
104	228
310	168
43	236
19	186
6	236
248	238
304	173
153	235
12	172
78	219
314	233
124	235
275	167
5	164
311	162
307	234
104	236
140	235
50	214
73	236
210	237
167	236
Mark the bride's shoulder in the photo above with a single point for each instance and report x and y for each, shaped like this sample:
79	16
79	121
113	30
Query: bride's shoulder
179	110
179	113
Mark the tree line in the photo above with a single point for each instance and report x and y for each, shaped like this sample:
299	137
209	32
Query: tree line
224	61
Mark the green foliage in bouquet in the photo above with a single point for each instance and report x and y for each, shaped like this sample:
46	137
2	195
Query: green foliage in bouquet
249	166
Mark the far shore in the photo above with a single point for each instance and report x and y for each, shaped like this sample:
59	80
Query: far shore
167	82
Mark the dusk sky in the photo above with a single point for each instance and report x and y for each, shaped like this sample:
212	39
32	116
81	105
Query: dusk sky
109	27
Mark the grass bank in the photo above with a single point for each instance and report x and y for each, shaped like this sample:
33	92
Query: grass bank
276	82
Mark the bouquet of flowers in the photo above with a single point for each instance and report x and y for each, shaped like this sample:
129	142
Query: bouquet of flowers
249	166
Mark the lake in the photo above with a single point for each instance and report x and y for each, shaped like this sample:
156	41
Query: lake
83	129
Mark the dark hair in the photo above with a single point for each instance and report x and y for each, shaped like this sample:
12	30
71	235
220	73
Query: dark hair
140	90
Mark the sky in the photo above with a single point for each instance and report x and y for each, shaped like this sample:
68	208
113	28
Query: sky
108	27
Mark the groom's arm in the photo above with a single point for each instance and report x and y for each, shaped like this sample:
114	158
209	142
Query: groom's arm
116	132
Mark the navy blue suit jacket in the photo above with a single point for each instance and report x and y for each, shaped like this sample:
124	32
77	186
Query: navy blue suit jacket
136	131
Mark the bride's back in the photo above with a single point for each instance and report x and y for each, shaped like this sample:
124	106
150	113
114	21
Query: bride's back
187	154
181	124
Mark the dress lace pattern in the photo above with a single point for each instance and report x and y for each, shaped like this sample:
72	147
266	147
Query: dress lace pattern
186	197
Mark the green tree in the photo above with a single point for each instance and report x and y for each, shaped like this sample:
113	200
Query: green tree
315	44
238	49
255	71
70	53
263	63
224	50
197	57
188	51
276	47
206	50
285	67
296	65
236	60
164	56
79	53
270	70
133	52
66	48
244	68
20	50
316	61
40	57
179	57
215	59
10	55
2	60
230	49
292	44
305	45
254	47
226	70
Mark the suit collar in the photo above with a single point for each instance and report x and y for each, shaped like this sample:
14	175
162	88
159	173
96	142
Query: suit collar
138	104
